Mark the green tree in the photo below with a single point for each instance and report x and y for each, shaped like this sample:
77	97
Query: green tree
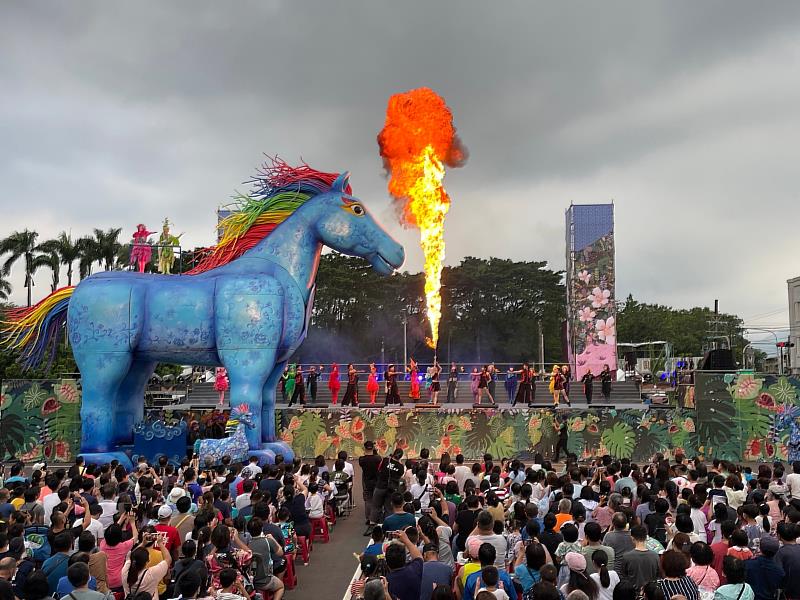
67	250
20	244
103	247
48	258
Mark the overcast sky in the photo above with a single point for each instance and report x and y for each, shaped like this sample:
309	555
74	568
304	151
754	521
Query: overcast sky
684	114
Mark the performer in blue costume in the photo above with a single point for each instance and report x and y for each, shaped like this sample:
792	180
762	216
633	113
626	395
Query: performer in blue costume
245	307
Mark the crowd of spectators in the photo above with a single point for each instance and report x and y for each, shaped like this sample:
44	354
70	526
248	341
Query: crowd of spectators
670	529
104	532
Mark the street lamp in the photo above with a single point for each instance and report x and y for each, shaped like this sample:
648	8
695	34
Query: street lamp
775	335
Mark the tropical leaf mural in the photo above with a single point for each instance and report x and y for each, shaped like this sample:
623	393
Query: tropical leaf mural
39	419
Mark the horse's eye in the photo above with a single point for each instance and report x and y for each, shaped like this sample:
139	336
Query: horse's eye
357	209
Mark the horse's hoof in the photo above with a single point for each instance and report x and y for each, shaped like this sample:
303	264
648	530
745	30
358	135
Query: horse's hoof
265	456
280	448
101	458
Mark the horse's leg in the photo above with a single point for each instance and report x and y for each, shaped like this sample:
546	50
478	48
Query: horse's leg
102	373
268	439
129	408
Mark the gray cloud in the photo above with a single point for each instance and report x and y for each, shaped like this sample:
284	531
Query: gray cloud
684	114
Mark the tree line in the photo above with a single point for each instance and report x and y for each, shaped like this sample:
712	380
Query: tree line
492	309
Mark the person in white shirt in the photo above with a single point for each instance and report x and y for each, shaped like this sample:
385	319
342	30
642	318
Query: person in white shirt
108	504
51	501
243	499
95	525
462	472
348	467
314	503
606	580
421	489
793	481
252	467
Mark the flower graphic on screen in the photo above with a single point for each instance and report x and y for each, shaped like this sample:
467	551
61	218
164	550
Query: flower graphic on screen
599	298
586	314
585	276
606	330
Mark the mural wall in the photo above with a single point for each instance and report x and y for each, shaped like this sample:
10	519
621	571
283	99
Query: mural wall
591	312
737	417
40	420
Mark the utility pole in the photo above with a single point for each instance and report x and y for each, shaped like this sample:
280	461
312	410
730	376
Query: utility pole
541	348
405	337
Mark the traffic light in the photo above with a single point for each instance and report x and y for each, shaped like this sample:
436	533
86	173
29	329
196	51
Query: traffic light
785	344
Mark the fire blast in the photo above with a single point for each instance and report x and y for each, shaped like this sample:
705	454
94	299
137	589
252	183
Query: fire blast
416	143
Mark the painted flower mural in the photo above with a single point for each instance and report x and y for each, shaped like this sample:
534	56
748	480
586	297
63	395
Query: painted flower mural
599	298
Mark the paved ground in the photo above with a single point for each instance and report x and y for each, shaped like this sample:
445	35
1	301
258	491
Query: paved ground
332	565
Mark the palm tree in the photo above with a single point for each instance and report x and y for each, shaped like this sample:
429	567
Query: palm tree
51	260
103	248
20	244
5	287
68	251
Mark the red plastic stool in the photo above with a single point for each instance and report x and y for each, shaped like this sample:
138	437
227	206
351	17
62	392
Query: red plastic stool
304	547
319	528
289	577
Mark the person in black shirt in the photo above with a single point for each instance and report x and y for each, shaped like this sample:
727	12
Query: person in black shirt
605	382
311	383
588	380
369	464
390	471
549	538
271	484
465	521
561	444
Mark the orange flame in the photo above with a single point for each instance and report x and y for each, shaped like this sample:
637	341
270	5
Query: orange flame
416	142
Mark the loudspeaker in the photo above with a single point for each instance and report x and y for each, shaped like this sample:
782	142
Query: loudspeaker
718	360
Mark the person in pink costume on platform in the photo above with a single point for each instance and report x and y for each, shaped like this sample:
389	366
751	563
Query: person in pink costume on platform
141	251
334	384
221	383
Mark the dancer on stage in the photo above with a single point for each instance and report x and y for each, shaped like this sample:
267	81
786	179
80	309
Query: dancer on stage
605	382
588	381
475	381
282	382
299	387
290	381
511	385
392	395
334	385
492	384
525	393
483	386
413	392
566	372
221	383
557	386
452	384
141	251
311	383
372	383
435	386
351	392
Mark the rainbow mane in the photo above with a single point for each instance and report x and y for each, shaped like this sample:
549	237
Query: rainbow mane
34	332
279	190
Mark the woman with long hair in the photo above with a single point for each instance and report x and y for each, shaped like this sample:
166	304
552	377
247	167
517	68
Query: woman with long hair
483	386
435	385
334	385
392	393
528	563
136	576
413	369
351	392
475	380
606	580
372	383
578	579
605	382
228	552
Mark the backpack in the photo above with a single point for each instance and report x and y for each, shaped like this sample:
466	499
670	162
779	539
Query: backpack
36	540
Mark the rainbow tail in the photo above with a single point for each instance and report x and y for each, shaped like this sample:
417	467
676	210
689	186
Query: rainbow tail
35	332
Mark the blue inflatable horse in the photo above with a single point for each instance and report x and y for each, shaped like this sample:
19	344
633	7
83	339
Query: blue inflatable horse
246	307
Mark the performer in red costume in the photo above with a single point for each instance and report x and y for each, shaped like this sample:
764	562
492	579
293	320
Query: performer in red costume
413	392
221	383
141	251
372	383
334	385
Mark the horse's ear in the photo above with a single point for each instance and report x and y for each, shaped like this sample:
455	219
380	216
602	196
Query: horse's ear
341	182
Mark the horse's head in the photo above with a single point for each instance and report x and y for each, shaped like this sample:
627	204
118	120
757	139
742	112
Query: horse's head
343	223
243	415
